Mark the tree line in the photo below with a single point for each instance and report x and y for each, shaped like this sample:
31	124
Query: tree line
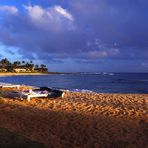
6	65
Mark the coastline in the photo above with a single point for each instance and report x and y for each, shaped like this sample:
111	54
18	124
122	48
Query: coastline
29	73
21	74
79	119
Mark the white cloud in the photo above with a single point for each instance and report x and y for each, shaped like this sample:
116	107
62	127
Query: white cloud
35	12
51	18
64	12
9	9
100	50
104	53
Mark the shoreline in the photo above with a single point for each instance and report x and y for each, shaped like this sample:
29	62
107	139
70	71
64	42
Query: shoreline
79	119
29	73
21	74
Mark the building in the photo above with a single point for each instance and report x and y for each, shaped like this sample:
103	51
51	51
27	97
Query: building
23	69
3	68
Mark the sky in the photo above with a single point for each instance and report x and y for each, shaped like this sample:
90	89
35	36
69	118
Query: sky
76	35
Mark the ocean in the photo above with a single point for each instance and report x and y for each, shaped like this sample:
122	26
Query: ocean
87	82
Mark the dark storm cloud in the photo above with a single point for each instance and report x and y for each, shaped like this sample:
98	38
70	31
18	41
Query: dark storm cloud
84	30
121	22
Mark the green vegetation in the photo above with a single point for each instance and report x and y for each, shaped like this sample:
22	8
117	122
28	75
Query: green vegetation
21	66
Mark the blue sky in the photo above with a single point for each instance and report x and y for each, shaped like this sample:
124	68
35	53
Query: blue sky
76	35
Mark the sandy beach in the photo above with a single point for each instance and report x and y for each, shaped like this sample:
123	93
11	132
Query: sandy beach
9	139
21	74
89	120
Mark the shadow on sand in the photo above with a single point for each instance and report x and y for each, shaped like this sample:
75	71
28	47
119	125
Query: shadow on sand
9	140
61	129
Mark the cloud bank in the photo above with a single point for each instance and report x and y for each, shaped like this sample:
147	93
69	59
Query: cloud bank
84	30
9	9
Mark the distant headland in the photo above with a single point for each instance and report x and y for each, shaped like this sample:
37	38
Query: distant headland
8	68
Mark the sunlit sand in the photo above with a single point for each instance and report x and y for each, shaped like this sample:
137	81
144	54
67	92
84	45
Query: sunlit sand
79	119
17	74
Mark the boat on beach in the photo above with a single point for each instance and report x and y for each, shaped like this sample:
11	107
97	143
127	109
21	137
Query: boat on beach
42	92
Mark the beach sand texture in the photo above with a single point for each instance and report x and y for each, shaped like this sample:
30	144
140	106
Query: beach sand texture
9	140
82	120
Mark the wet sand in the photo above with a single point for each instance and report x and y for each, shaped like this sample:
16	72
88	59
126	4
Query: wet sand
80	120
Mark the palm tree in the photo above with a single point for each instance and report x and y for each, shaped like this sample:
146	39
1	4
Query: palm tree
29	66
36	66
5	62
43	66
16	63
23	62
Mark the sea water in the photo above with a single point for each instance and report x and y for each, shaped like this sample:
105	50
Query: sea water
87	82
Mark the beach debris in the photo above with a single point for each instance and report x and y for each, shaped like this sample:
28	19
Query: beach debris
52	93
